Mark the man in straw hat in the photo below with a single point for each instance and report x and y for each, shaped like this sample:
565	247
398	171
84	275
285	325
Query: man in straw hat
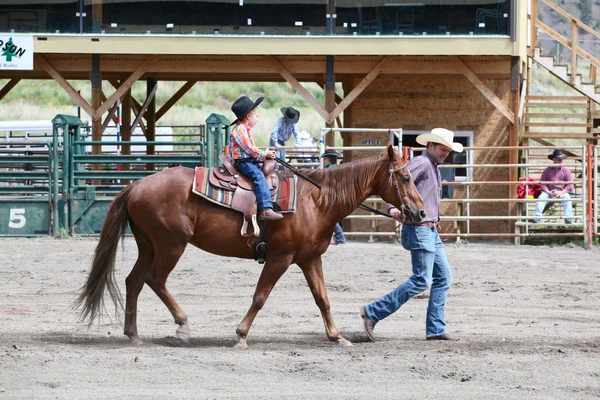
556	173
430	266
245	156
284	128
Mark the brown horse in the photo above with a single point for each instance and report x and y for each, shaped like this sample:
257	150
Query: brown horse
164	216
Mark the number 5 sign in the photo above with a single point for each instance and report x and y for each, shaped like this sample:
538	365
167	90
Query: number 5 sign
17	218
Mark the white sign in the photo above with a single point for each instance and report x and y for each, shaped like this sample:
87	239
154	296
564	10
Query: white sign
16	52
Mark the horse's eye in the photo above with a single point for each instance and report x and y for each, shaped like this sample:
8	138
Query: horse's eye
406	180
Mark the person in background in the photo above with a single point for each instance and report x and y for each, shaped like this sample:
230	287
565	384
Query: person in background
430	266
307	144
245	156
330	159
284	128
556	173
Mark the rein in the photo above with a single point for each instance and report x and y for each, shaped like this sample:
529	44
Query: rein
393	181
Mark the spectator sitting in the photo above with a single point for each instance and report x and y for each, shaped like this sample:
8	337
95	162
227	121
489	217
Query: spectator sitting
556	173
330	158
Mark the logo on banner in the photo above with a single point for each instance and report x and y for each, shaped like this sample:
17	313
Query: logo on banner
16	52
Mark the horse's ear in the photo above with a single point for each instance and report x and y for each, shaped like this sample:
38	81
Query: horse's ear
390	151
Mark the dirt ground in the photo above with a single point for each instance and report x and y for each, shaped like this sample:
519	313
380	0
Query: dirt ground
528	318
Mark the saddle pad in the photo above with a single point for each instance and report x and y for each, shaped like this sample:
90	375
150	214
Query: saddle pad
284	198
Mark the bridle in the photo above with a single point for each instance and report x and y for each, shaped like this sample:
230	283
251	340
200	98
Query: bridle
394	182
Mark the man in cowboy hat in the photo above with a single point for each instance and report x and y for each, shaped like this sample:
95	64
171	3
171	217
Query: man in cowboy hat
245	156
330	158
556	173
284	128
430	266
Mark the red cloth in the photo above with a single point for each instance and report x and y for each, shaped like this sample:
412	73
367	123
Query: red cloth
533	189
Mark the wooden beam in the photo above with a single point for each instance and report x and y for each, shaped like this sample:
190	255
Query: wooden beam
299	88
141	70
321	83
339	122
137	108
80	101
367	80
133	103
8	87
547	143
110	116
178	95
144	108
492	98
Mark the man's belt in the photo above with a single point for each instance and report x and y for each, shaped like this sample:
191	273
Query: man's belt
431	225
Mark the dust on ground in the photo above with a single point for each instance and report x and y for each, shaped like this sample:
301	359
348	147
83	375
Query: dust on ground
528	318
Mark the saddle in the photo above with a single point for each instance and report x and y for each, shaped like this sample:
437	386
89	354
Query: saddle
244	199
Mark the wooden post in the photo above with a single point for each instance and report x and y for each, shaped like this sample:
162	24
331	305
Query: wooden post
574	47
513	136
96	16
150	119
126	130
590	196
96	103
348	123
330	98
533	26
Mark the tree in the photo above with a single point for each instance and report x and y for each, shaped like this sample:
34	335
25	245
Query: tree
9	51
587	16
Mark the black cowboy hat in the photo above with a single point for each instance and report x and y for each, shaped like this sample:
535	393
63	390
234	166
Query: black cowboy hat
290	114
332	154
557	153
243	106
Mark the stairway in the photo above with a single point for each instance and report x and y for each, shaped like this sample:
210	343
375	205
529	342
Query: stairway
558	117
561	72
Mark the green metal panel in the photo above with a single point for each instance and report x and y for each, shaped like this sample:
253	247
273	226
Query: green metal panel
217	137
62	119
88	215
25	217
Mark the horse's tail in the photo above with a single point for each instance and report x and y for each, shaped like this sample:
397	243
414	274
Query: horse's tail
102	274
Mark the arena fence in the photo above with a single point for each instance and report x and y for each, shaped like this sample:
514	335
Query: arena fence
26	182
58	185
49	184
515	212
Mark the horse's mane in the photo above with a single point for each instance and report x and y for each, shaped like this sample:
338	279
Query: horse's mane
339	184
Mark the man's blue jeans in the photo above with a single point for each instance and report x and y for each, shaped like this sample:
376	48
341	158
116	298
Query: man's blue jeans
339	234
251	169
567	205
430	268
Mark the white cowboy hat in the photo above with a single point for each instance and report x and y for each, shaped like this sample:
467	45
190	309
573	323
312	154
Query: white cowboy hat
305	135
442	136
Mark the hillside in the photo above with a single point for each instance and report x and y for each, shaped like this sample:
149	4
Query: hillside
43	99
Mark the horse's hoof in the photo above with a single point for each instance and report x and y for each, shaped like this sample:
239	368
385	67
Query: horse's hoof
241	344
183	333
344	342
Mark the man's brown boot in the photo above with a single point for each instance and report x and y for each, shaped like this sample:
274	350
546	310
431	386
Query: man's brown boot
269	214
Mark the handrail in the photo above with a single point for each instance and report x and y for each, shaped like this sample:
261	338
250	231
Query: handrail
571	44
565	14
522	101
